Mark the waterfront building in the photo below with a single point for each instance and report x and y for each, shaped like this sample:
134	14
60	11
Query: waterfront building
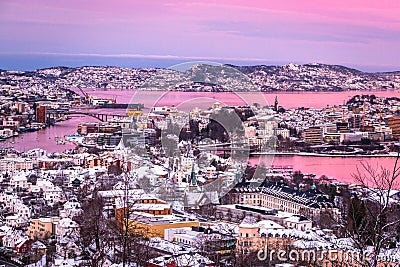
394	124
313	135
41	114
285	133
342	126
356	121
11	125
101	127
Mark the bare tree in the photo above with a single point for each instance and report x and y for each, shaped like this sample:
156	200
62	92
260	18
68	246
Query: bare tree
373	217
131	238
94	233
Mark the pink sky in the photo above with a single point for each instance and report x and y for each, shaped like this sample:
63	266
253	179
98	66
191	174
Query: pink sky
354	33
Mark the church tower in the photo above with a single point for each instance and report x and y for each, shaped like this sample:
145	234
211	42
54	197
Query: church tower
276	103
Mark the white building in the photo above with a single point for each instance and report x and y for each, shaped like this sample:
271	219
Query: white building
53	195
66	226
19	181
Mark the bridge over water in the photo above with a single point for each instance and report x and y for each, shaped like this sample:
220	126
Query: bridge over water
54	114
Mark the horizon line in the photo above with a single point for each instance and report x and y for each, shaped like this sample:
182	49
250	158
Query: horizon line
263	61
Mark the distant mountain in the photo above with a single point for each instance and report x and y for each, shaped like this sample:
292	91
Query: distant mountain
200	77
318	77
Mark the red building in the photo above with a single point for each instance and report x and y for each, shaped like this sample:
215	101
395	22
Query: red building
23	245
41	114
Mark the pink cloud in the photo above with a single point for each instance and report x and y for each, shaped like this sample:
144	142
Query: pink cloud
286	30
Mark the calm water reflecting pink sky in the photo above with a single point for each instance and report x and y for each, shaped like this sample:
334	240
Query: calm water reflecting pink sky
340	168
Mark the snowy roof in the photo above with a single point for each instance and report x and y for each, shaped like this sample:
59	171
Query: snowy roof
38	245
19	177
225	228
302	244
5	228
296	219
268	224
132	202
159	170
67	223
168	246
66	262
158	219
193	260
201	198
150	206
249	222
21	241
131	193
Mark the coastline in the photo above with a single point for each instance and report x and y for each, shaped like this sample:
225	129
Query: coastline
306	154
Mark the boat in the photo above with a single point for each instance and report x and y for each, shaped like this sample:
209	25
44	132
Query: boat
59	140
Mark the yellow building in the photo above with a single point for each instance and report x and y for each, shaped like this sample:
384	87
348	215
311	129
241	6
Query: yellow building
134	113
147	215
150	225
42	228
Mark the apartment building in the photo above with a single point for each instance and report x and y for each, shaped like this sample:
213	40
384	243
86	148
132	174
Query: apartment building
394	124
313	135
42	228
15	164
